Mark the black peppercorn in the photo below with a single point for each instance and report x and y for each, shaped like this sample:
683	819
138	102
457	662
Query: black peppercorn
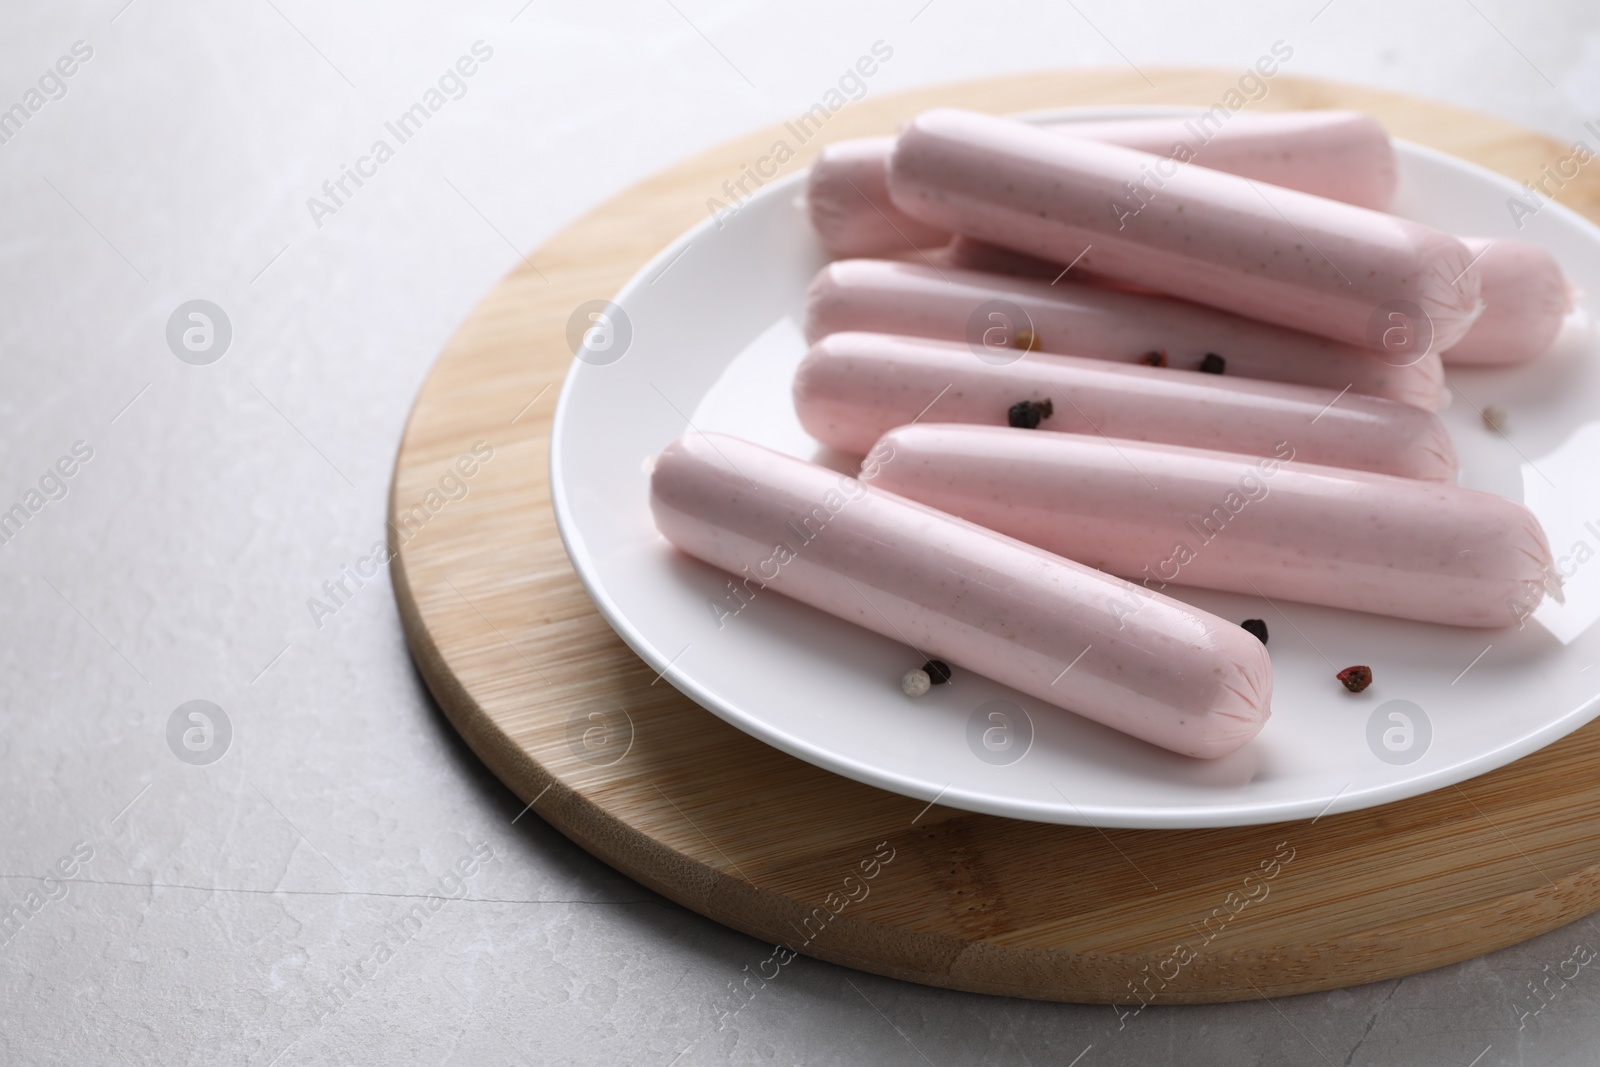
1025	414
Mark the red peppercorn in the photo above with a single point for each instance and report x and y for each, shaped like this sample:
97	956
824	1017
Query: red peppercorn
1355	678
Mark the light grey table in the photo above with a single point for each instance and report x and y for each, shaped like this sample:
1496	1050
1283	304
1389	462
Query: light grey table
273	906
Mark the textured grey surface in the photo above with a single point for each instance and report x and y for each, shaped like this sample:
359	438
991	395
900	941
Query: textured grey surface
223	903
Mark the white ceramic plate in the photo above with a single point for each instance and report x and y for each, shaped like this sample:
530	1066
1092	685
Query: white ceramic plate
714	340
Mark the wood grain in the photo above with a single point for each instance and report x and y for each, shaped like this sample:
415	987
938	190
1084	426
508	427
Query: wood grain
515	653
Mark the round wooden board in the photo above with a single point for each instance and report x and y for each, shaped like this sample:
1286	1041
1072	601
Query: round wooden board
667	793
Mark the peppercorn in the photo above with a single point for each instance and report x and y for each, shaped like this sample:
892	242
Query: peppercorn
1213	364
1025	414
1258	627
937	670
1355	678
915	683
1155	358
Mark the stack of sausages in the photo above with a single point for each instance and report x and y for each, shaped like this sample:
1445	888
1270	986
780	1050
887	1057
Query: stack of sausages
1087	361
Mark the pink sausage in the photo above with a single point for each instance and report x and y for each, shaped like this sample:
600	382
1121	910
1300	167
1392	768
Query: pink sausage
1525	297
1161	513
1176	676
1099	322
1525	294
1301	261
1344	155
848	200
854	387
